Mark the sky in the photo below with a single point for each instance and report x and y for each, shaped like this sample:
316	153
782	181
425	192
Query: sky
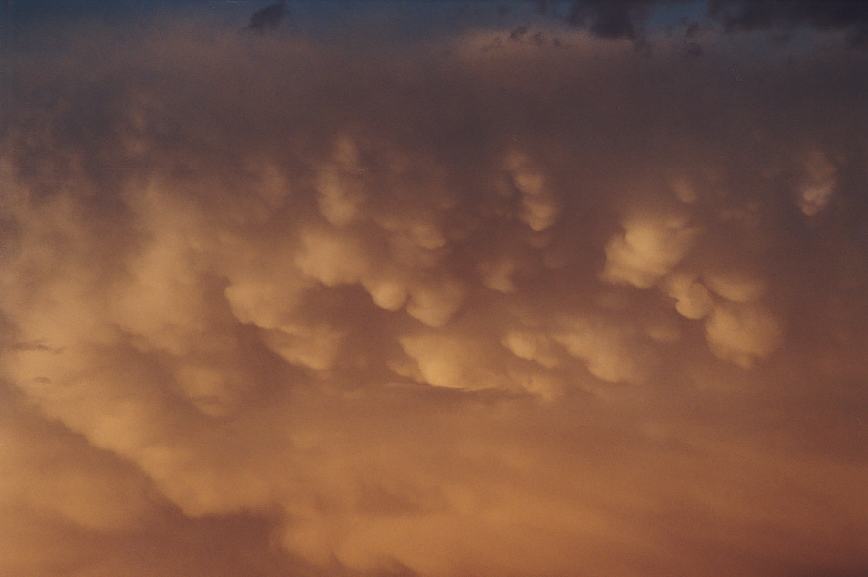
455	289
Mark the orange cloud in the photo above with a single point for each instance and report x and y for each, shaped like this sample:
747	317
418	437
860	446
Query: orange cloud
270	307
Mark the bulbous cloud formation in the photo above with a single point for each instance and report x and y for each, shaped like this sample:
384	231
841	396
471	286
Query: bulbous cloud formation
271	305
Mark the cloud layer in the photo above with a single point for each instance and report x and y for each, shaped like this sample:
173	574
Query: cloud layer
276	306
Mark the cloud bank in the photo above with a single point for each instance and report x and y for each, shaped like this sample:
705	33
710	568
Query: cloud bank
636	19
275	306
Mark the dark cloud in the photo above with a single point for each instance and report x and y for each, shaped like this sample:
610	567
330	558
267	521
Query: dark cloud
619	19
629	18
849	16
268	18
518	33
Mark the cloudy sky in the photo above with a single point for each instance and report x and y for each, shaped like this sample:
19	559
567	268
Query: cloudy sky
451	289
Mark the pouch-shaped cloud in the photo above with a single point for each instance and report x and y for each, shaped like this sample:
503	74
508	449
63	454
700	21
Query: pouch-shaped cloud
692	299
539	209
612	353
736	286
649	247
742	334
819	183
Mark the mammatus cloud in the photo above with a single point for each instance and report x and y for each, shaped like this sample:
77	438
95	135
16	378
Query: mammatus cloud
271	309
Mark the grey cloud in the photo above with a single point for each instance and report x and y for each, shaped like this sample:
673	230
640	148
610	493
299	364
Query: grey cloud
628	19
622	19
269	17
836	15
